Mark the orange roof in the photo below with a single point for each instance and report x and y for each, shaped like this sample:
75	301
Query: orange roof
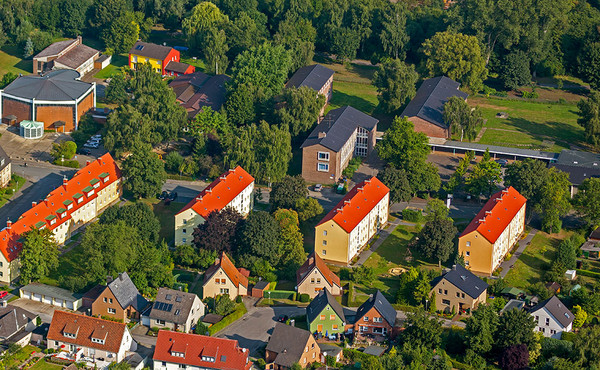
359	201
220	192
58	206
496	214
200	351
311	262
236	276
85	328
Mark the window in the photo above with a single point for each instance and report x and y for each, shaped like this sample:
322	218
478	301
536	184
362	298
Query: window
318	280
552	331
110	300
324	252
466	263
457	295
323	167
468	253
331	317
324	242
537	318
313	355
112	310
363	328
312	280
217	281
183	240
366	318
440	291
224	291
446	302
161	322
185	222
185	231
96	340
323	156
182	366
462	295
547	321
335	327
322	317
324	232
445	292
468	244
56	343
104	299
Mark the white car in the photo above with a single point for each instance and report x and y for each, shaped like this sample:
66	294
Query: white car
91	145
96	137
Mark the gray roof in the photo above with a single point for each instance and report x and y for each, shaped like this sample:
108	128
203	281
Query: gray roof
12	319
4	159
512	304
557	309
52	291
261	285
150	50
75	57
55	48
330	349
173	305
579	165
382	306
428	103
177	67
126	293
338	126
320	302
481	148
374	350
288	342
314	76
61	85
212	318
464	280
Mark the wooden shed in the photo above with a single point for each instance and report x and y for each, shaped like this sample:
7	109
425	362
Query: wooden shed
258	290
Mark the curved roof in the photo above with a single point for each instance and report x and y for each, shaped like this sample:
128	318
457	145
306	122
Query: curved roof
61	85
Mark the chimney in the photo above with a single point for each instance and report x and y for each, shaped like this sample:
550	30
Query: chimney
33	204
109	280
488	212
453	267
79	40
8	224
505	191
311	260
224	177
99	160
340	210
46	201
199	198
217	260
481	220
346	201
121	277
367	181
87	163
322	135
65	180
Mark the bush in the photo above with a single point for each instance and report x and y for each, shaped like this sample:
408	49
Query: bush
352	167
592	274
363	275
412	215
350	293
66	163
173	162
234	316
224	305
304	298
260	363
238	299
530	95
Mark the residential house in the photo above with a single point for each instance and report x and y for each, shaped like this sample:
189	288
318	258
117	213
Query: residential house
347	228
493	232
159	57
375	317
316	77
426	109
289	345
232	189
198	352
68	207
5	169
51	295
314	276
198	90
102	341
120	300
578	165
15	322
325	315
343	133
552	317
67	54
175	310
458	290
224	278
58	99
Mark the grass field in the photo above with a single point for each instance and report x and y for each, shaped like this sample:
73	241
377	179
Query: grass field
43	365
10	61
114	67
15	184
529	124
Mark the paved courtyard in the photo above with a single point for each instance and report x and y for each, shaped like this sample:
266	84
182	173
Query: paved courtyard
43	310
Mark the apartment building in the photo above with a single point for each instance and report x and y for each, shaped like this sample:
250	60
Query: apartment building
493	232
232	189
347	228
64	210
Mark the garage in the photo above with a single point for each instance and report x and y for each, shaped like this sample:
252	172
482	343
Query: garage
37	297
47	300
51	295
27	295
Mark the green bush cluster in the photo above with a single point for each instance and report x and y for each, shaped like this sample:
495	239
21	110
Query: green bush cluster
67	163
592	274
530	95
352	167
412	215
304	298
235	315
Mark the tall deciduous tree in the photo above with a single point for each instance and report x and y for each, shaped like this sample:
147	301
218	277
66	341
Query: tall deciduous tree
286	192
515	327
459	116
528	178
308	208
300	110
484	177
587	200
396	84
218	232
297	35
515	71
589	64
480	329
394	36
555	196
39	255
514	357
397	181
144	172
216	51
457	56
292	243
436	239
138	215
422	330
123	32
260	236
204	17
589	117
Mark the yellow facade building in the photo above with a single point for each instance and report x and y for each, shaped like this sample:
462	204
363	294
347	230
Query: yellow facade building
224	278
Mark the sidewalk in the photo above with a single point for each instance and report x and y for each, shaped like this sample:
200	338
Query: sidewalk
383	234
523	243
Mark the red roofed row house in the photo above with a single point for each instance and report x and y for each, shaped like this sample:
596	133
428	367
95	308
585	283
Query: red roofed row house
493	232
347	228
64	210
232	189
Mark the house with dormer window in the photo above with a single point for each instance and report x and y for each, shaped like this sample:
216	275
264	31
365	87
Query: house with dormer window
552	317
458	290
85	338
191	351
175	310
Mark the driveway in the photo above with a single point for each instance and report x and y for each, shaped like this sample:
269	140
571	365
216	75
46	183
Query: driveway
254	329
44	311
145	342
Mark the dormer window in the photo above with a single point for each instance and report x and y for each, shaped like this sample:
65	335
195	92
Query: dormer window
70	335
51	219
96	340
178	354
95	183
78	198
208	359
89	191
104	177
62	213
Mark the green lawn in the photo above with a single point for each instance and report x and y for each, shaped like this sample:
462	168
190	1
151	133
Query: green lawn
529	124
10	61
43	365
117	62
15	184
166	216
18	357
531	266
395	250
184	276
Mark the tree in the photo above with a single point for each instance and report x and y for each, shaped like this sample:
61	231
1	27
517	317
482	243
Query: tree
205	16
436	239
224	305
566	255
218	232
185	255
292	241
554	200
580	316
396	84
515	71
480	329
273	151
363	275
459	116
393	35
457	180
64	150
422	330
589	117
144	172
436	209
515	327
123	32
397	181
528	178
138	215
300	109
173	161
240	105
457	56
7	79
514	357
308	208
297	35
104	12
39	255
200	328
484	177
207	121
286	192
587	200
586	347
216	51
28	49
589	64
260	236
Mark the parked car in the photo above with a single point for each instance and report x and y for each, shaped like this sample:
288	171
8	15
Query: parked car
97	137
3	294
91	145
163	195
502	162
173	195
318	187
84	151
282	318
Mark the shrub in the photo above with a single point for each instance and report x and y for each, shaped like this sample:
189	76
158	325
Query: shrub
224	305
412	215
363	275
530	95
235	315
352	167
238	299
66	163
260	363
304	298
350	293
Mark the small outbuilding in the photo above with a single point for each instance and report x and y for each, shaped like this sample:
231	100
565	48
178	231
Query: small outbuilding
51	295
31	129
571	274
258	290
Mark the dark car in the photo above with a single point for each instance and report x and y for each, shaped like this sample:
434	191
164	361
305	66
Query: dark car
84	151
173	195
283	318
163	195
502	162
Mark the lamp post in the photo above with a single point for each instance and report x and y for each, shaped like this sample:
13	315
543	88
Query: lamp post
426	303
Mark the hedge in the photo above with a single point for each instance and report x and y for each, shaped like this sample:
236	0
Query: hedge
592	274
459	365
234	316
279	294
67	163
350	293
412	215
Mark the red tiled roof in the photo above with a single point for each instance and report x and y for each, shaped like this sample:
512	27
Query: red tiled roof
220	192
236	276
86	327
317	262
226	352
496	214
48	212
359	201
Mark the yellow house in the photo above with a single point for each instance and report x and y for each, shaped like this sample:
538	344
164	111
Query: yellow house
314	276
493	232
458	289
157	56
344	231
224	278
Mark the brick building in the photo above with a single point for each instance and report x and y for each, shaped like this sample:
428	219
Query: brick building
120	300
58	99
375	317
317	77
458	290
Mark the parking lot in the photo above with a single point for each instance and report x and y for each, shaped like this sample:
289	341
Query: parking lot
44	311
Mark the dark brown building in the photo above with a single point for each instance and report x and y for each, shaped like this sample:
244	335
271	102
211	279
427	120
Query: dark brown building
120	300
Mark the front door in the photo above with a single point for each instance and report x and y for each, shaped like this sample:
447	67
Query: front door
319	328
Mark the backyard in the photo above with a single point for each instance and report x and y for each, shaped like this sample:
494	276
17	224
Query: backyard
10	61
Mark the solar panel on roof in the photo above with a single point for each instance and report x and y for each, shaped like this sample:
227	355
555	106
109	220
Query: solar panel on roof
139	47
